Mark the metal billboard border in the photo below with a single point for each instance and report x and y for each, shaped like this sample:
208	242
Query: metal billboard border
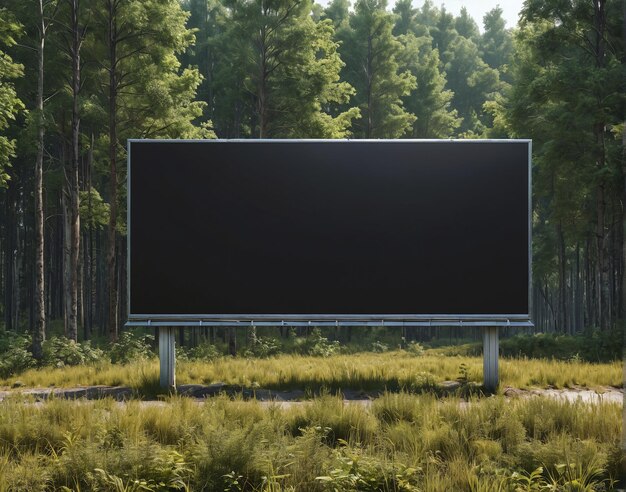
194	320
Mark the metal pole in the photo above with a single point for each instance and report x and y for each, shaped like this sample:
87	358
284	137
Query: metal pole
167	358
490	357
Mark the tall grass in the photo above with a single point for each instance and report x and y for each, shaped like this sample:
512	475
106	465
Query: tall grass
402	442
393	371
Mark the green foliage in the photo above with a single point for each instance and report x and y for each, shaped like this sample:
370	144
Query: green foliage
318	345
282	67
354	470
94	211
401	443
429	101
496	42
371	54
15	355
61	351
472	81
415	348
131	348
379	347
593	346
205	352
264	347
10	103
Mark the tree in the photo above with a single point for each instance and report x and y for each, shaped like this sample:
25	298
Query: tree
473	83
10	103
429	101
142	93
338	11
47	10
291	68
444	35
466	26
73	41
566	92
209	19
405	17
371	54
496	43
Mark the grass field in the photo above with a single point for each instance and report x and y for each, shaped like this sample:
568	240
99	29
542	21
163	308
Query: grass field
401	442
394	371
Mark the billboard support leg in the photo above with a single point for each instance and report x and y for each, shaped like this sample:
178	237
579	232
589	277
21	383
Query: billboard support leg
167	358
490	357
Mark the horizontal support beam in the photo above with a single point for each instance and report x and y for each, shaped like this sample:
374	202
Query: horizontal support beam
209	323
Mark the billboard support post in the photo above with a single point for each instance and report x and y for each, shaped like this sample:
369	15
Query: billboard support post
490	357
167	358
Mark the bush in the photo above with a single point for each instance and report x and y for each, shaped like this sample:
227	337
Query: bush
264	347
415	348
591	346
131	348
379	347
15	354
205	352
61	351
319	346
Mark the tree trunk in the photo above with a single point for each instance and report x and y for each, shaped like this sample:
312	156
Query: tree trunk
562	281
604	307
111	263
39	330
232	341
370	122
72	180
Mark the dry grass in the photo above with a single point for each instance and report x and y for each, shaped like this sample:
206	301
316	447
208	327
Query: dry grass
394	371
402	443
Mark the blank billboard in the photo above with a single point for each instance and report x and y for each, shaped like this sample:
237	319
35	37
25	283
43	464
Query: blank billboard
402	229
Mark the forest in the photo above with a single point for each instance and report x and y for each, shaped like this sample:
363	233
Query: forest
79	78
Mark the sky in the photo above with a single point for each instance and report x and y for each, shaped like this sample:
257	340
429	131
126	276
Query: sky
476	8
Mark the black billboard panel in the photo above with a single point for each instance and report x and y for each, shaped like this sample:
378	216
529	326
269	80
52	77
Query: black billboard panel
335	229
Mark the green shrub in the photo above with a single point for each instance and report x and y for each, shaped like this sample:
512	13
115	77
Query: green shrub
415	348
318	345
205	352
264	347
15	355
379	347
131	348
591	346
61	351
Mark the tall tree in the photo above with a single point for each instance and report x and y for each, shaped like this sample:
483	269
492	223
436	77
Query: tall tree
371	53
142	93
10	103
338	11
496	43
566	92
466	26
73	37
209	19
47	10
473	83
405	17
291	68
429	101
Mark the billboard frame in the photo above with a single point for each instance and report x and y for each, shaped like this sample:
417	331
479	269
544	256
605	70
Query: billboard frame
206	320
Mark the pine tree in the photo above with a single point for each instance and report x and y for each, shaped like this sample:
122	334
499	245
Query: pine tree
143	94
495	43
429	101
10	103
371	54
291	67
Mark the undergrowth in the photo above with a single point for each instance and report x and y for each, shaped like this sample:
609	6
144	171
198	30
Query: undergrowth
391	370
401	443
